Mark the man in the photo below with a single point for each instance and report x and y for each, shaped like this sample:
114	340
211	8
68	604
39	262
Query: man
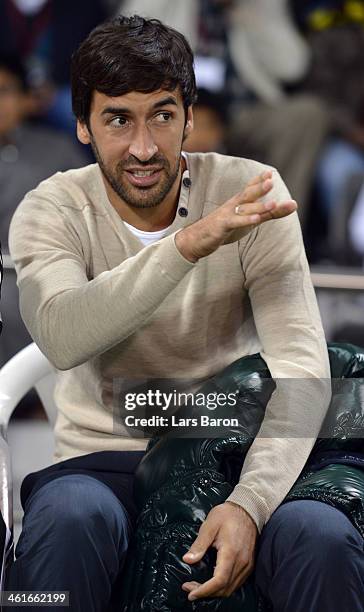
153	264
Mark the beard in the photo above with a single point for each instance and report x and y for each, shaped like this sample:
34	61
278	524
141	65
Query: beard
139	197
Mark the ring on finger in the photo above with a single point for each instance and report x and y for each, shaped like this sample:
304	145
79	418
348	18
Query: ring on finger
238	209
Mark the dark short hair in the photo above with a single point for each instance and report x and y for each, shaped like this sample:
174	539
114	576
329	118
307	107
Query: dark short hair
13	65
131	54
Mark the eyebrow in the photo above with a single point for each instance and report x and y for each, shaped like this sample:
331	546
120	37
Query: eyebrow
123	110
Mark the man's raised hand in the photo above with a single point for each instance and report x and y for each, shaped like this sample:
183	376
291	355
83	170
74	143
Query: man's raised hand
233	219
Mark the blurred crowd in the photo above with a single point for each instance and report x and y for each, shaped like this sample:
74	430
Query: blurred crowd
280	81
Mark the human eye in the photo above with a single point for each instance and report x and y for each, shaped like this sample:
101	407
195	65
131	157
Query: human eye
118	122
163	117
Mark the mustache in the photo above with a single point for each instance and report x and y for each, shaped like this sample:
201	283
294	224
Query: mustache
156	160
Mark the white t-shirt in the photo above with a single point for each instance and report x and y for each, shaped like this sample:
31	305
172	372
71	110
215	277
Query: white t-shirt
147	238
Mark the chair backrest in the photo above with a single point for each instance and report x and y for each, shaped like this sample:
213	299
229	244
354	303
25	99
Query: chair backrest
28	369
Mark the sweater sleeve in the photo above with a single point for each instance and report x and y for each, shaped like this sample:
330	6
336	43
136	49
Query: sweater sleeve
293	345
71	317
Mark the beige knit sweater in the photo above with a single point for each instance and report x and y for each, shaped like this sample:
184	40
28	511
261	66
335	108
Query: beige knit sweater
103	307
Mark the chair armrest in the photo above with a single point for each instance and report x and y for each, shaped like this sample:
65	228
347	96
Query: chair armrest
23	372
6	509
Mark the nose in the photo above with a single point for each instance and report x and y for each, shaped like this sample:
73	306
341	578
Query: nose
142	145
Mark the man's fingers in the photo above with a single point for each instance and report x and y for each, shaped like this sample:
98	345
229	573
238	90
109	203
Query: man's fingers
204	539
197	550
281	210
253	208
256	188
190	586
208	589
222	587
249	215
225	564
260	178
239	576
240	579
259	212
254	192
238	582
284	209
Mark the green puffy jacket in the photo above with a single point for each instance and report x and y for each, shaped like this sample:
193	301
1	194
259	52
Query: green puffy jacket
180	480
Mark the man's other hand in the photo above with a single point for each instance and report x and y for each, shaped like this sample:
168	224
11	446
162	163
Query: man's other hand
231	530
233	219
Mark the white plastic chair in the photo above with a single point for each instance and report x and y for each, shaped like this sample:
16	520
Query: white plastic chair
28	369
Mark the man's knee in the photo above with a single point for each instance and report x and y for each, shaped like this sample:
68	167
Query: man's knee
317	531
310	558
74	508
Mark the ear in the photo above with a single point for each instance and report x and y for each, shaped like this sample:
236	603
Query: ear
189	122
83	134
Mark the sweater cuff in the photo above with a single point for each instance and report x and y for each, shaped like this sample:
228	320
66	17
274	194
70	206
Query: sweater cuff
171	261
252	503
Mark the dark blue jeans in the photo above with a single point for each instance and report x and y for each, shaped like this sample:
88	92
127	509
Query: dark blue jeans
75	535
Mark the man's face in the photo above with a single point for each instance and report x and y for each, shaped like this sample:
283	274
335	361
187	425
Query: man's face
12	102
137	140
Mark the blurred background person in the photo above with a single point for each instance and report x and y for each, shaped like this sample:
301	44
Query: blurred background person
29	153
44	34
334	30
276	124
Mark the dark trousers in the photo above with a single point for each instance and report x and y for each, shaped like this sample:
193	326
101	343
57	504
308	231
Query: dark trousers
75	535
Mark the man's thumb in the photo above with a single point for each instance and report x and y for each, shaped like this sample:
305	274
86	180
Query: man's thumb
198	548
